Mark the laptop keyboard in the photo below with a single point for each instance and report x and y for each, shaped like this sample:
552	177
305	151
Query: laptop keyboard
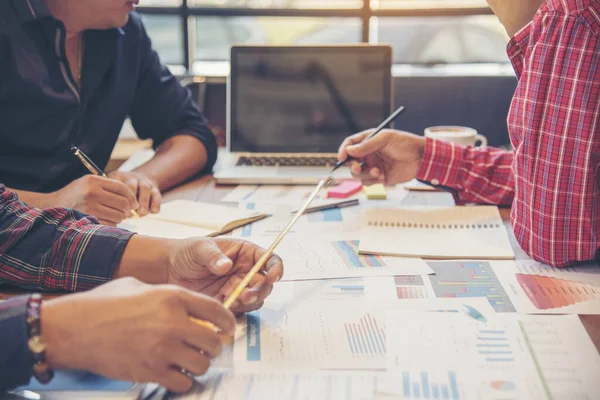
288	161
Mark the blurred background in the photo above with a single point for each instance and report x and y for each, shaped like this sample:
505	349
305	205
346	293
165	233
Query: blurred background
450	62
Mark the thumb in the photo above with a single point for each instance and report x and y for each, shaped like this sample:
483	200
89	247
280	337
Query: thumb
368	147
213	258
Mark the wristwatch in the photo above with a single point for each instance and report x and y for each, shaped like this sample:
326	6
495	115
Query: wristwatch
36	344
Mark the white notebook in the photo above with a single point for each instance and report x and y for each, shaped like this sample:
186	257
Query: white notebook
183	218
436	232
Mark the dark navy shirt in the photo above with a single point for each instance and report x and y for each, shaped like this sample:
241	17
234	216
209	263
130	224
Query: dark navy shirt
43	114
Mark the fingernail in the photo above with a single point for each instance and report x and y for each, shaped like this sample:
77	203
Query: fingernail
277	279
223	263
142	210
252	300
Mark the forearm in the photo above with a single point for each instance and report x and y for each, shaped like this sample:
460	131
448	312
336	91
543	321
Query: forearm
475	175
146	259
56	248
176	160
34	199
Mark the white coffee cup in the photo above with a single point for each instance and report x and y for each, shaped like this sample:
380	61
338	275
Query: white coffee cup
457	134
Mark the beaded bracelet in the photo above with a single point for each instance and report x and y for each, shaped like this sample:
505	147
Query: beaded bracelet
36	344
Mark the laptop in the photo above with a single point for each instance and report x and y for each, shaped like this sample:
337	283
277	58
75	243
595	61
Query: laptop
290	108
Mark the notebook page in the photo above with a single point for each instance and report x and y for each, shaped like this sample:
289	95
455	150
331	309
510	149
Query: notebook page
204	215
436	232
163	229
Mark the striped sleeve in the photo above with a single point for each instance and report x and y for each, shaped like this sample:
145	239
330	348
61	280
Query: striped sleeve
55	249
481	175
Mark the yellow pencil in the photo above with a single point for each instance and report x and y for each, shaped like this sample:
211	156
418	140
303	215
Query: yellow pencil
93	168
261	262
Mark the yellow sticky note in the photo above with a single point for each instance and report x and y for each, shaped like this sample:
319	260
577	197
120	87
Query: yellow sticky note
375	192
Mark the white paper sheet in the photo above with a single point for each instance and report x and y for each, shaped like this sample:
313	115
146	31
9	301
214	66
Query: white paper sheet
536	288
325	334
319	385
319	258
552	355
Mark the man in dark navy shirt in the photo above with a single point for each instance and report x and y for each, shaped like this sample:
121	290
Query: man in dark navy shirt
70	74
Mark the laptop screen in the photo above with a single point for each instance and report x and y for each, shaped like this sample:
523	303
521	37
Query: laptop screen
306	99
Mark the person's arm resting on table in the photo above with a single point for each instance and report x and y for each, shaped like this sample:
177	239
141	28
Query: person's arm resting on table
166	113
551	180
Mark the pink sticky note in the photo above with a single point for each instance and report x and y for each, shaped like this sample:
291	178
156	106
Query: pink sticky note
345	189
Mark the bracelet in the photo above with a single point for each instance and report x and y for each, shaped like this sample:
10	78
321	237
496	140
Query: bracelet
36	344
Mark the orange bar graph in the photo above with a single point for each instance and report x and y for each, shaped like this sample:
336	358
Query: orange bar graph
547	292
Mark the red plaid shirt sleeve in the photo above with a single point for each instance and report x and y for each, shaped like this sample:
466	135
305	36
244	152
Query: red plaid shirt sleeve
552	179
55	249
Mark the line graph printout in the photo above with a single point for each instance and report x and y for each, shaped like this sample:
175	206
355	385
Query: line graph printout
307	259
540	289
553	355
324	334
331	385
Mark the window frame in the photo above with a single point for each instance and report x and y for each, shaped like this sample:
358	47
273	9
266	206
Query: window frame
186	13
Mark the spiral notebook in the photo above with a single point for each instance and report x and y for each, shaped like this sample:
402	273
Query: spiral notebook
436	232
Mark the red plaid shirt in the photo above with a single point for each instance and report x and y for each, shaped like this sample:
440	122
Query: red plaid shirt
55	248
552	179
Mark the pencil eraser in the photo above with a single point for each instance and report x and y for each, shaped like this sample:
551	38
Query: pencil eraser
376	192
344	189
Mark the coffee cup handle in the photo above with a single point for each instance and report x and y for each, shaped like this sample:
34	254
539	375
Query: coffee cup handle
482	141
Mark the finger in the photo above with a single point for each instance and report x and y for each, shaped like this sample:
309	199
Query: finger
155	200
374	172
191	360
356	138
202	339
367	147
175	380
242	308
115	202
132	184
209	309
274	268
109	214
143	197
120	189
206	252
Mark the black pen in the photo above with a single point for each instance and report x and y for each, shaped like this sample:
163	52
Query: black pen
381	127
93	168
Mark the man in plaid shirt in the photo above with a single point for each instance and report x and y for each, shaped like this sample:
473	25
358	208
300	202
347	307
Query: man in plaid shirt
124	329
552	178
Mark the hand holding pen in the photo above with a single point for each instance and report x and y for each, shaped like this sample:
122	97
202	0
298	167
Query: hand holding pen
108	200
389	157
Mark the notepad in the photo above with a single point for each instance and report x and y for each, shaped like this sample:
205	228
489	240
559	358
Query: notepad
435	232
375	192
183	218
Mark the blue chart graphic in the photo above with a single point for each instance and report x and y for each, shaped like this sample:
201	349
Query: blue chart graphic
329	215
493	346
423	387
247	229
348	290
469	279
365	338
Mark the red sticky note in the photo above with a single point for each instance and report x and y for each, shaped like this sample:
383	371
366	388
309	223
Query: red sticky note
345	189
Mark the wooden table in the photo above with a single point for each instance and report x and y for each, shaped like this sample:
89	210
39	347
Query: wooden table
204	189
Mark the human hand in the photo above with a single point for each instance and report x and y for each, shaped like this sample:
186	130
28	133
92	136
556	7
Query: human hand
108	200
389	157
216	266
146	190
132	331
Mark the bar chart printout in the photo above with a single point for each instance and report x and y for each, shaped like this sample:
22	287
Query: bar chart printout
421	386
470	279
365	337
493	346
